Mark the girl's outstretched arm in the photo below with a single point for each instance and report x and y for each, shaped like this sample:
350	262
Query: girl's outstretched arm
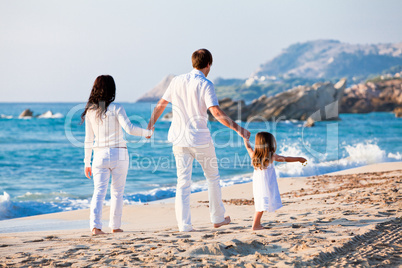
279	158
248	147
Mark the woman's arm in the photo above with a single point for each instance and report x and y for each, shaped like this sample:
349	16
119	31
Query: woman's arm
89	141
130	128
279	158
249	148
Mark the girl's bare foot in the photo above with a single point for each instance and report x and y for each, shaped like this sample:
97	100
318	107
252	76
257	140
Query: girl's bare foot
226	221
117	230
259	227
96	231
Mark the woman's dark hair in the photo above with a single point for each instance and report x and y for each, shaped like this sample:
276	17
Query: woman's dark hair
102	94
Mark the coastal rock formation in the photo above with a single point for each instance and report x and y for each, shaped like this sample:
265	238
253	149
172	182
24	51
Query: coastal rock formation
382	96
398	112
26	113
157	92
299	103
322	101
234	109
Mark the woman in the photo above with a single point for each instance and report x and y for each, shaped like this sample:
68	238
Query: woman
103	134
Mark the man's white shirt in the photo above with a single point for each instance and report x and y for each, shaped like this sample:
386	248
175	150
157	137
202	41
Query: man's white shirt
191	95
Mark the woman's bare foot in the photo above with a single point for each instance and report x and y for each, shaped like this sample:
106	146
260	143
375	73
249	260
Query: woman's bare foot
225	222
117	230
96	231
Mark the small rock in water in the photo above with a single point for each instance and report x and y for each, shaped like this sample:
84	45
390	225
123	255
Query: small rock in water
310	122
26	113
398	112
47	114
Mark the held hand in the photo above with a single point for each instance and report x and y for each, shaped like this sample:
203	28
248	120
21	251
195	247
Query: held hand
244	133
88	172
153	129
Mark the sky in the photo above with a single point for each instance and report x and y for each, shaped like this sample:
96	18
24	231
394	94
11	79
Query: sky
52	51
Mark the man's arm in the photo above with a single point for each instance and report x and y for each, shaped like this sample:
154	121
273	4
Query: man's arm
225	120
160	107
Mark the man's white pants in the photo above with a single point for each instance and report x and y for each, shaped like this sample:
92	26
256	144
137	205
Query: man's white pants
108	161
206	156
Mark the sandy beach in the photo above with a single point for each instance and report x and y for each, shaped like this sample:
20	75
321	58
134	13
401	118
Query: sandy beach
351	218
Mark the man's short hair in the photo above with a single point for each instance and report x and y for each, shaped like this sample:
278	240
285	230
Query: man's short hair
201	58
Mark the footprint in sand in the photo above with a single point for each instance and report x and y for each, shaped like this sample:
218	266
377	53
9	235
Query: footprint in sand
222	232
51	237
183	236
34	241
275	234
142	238
207	236
297	226
164	235
185	241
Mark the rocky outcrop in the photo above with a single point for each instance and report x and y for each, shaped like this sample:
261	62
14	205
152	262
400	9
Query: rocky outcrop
232	108
157	92
382	96
26	113
398	112
48	114
298	103
322	101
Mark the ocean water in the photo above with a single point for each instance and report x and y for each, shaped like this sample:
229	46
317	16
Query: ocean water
42	170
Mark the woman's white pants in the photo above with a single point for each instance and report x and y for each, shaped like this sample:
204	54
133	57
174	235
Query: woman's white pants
206	156
106	162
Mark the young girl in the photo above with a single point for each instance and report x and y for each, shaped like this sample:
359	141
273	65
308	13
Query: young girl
265	186
103	124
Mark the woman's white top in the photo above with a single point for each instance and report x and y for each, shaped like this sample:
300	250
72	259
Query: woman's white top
266	190
108	133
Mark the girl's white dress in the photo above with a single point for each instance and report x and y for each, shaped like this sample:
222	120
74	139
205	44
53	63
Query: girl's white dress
266	190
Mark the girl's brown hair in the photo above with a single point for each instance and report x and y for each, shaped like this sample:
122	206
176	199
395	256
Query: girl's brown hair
103	93
265	147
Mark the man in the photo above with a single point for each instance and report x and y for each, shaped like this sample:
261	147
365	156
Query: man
191	95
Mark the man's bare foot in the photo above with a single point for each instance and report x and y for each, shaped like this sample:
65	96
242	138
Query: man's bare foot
96	231
225	222
117	230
